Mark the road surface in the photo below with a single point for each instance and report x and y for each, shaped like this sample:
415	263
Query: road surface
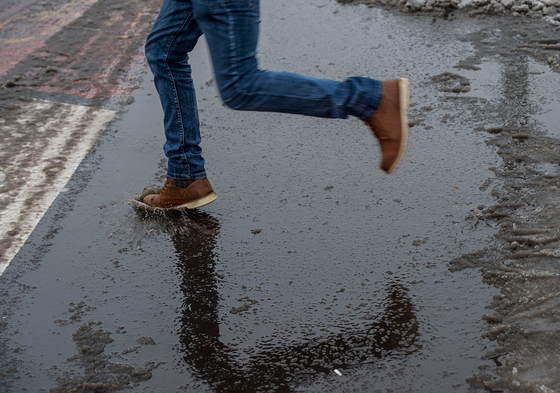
313	271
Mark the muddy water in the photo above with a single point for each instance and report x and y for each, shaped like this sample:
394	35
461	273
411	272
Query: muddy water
311	260
522	116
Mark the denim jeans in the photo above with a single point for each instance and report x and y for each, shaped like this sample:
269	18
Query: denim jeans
231	28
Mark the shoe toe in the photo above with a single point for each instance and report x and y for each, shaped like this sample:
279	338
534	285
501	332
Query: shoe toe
150	199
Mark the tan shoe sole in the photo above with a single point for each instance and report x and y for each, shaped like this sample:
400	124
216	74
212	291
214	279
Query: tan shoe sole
138	203
205	200
404	102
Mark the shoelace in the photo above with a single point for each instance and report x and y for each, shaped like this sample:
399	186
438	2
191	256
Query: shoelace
167	182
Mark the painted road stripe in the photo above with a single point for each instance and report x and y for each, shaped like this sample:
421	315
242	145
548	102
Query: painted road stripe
43	163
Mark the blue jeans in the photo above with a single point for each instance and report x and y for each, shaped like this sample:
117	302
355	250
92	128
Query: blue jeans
232	29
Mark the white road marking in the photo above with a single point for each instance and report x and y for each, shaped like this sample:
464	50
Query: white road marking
40	163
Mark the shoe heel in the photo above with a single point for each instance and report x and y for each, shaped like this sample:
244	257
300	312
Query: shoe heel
200	202
404	93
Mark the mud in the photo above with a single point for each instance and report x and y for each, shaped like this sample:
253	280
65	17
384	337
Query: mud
524	265
99	373
548	10
522	259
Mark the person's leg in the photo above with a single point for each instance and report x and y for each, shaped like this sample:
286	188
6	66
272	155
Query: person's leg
231	28
174	34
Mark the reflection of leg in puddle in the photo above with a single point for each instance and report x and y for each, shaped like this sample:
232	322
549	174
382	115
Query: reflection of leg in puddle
393	332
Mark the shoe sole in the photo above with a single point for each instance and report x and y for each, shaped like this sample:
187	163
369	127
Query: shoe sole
404	102
138	203
205	200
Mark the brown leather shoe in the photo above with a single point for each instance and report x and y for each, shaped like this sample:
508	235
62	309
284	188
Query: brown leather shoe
196	194
389	123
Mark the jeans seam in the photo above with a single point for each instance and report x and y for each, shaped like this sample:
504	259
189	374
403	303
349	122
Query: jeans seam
233	49
251	95
175	94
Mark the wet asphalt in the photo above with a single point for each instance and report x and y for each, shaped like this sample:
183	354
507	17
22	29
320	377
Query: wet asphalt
311	260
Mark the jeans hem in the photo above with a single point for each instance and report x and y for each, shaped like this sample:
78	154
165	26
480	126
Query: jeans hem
178	176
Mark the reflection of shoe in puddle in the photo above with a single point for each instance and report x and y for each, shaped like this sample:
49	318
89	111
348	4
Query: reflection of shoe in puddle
173	196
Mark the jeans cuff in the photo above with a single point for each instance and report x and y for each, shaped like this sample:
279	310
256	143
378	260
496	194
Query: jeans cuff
183	176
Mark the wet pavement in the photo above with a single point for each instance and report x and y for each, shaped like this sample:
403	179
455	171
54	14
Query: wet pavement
313	271
63	75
